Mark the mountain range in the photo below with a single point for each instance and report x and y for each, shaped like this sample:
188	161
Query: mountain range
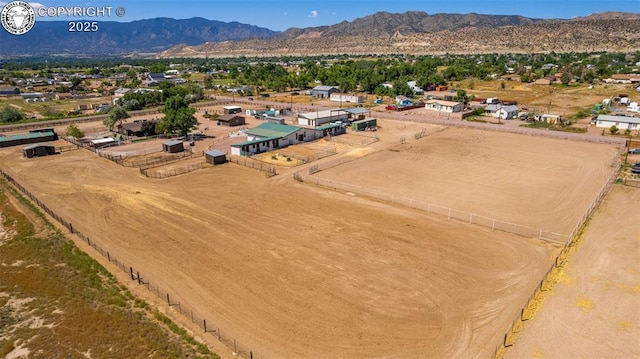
382	32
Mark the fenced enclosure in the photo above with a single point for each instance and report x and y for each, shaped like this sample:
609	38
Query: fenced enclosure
631	182
251	163
170	172
354	139
173	300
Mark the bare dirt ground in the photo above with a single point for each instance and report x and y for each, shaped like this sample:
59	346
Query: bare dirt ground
528	180
593	311
293	270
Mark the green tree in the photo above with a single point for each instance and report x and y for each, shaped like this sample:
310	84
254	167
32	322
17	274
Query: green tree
10	114
613	130
75	82
74	131
116	116
178	116
131	105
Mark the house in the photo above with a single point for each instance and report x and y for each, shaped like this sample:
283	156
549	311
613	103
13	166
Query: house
120	92
444	106
548	66
173	146
270	136
621	122
403	101
38	149
9	91
215	157
323	91
63	96
413	85
505	112
548	80
231	120
137	127
343	97
155	78
319	118
623	79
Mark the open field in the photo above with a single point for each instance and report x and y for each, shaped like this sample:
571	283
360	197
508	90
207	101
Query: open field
527	180
593	311
292	270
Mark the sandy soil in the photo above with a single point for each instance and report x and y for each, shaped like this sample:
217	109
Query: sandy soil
528	180
593	312
293	270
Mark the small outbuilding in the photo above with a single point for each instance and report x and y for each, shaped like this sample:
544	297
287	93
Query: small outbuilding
231	120
230	110
215	157
173	146
38	149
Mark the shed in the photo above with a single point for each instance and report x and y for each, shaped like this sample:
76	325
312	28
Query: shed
38	149
215	157
362	125
173	146
230	110
231	120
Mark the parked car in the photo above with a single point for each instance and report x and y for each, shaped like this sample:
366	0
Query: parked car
250	98
635	151
265	95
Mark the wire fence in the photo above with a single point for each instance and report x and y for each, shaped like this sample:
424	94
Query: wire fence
251	163
170	172
173	300
631	182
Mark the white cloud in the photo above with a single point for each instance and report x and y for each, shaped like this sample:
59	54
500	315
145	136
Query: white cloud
314	13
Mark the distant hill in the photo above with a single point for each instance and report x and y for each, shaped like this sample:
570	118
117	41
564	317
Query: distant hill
408	23
579	35
115	38
411	32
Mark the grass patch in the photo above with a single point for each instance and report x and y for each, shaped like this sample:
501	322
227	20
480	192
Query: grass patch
78	305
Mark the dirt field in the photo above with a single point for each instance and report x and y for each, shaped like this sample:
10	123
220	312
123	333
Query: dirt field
593	311
528	180
293	270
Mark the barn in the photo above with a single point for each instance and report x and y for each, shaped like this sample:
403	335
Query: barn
215	157
38	149
323	91
33	136
319	118
231	120
173	146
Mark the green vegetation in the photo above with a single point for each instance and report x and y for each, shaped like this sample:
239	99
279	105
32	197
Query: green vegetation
116	116
74	131
613	130
178	116
10	114
63	303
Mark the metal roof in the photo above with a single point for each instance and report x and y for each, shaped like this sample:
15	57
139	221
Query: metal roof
611	118
356	110
261	140
324	88
272	130
36	145
173	142
215	153
23	136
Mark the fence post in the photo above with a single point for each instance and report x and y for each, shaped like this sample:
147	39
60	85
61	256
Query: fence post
168	301
204	323
131	271
138	274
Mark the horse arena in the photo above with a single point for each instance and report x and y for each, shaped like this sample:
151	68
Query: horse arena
300	270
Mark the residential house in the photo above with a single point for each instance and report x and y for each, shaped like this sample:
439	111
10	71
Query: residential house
403	101
621	122
155	78
444	106
501	111
413	85
269	136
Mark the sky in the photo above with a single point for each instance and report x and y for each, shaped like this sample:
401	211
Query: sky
280	15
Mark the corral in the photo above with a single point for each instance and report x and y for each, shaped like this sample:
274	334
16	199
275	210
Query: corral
295	270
